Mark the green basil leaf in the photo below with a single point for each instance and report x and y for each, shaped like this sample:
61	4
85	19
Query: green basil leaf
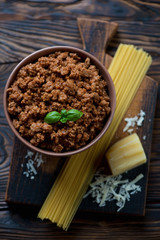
63	117
74	115
63	113
52	117
63	120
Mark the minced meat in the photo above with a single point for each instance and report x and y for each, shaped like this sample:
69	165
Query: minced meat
59	81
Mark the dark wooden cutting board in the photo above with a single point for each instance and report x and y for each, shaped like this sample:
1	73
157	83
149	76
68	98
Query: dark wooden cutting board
33	189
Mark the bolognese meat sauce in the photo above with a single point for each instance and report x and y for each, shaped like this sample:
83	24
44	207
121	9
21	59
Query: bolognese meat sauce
61	80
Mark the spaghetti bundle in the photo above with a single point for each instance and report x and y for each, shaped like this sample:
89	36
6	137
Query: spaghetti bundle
127	70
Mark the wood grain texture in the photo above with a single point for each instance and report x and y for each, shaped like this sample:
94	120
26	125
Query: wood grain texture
19	187
6	137
16	43
96	36
14	225
22	38
47	9
55	23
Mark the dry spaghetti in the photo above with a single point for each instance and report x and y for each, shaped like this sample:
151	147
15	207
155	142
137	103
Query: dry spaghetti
127	70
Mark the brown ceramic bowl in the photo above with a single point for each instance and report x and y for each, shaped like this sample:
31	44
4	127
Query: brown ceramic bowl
44	52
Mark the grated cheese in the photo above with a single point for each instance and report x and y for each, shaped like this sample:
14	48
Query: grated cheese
34	161
141	118
134	121
109	188
130	131
144	137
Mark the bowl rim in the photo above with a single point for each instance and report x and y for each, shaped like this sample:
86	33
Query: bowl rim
44	52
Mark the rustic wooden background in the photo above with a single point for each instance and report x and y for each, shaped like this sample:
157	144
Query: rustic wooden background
26	26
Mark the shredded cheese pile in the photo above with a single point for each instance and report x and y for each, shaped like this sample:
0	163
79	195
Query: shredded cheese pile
109	188
33	162
134	121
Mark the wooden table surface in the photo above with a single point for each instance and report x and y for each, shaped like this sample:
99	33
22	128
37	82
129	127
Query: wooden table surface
26	26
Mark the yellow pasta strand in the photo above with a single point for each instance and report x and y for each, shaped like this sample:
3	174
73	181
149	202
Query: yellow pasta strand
127	70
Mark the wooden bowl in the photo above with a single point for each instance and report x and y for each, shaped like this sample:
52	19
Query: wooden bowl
44	52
